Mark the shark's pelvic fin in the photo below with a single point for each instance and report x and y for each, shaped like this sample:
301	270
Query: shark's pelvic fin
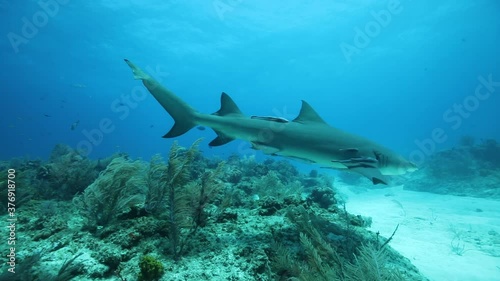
227	106
180	128
221	139
308	114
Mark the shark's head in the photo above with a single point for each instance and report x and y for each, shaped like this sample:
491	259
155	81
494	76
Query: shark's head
397	165
406	166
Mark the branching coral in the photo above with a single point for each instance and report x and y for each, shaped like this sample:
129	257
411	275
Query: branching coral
272	185
66	174
371	264
324	256
164	181
116	189
175	198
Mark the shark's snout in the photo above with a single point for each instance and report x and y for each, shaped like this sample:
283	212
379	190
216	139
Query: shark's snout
412	167
404	167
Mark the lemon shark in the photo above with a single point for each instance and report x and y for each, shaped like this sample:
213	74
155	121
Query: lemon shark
307	137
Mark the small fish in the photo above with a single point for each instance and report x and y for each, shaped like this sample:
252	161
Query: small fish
78	85
46	115
201	128
74	125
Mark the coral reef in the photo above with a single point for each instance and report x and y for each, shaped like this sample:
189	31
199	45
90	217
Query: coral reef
116	190
470	169
66	174
192	218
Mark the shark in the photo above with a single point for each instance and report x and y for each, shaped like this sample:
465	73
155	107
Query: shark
307	137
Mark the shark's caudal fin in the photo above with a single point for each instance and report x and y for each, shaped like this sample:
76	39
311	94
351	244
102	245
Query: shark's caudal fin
183	114
138	73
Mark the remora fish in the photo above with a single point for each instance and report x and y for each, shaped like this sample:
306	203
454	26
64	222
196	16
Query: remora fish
74	125
307	137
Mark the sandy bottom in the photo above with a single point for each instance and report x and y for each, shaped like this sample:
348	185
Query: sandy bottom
446	237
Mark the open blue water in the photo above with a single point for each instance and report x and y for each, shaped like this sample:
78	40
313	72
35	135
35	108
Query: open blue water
392	71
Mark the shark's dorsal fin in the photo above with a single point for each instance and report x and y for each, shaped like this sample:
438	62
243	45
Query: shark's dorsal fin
227	106
308	114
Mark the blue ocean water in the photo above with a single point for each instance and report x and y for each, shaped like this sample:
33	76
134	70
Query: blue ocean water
414	76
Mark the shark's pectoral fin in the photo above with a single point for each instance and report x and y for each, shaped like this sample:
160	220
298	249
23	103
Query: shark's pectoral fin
366	166
302	159
271	150
221	139
371	173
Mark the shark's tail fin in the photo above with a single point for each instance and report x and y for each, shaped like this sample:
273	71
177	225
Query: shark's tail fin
183	114
138	73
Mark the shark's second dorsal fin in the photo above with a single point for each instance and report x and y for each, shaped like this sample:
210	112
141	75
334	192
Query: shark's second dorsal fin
308	114
227	106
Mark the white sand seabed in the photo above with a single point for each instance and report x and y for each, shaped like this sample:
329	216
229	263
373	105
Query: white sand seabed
446	237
